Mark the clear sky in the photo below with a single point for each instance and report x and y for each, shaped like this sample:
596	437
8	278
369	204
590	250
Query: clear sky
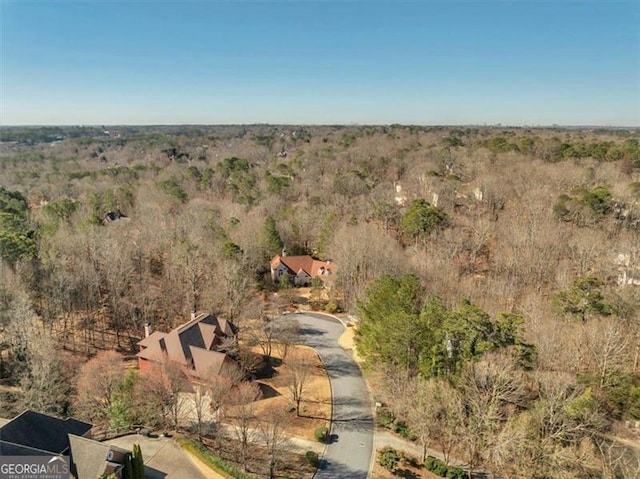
421	62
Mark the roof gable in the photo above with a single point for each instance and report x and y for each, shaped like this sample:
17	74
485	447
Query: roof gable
207	362
208	332
174	349
154	352
151	339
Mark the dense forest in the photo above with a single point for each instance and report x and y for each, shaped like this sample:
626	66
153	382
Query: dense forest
493	273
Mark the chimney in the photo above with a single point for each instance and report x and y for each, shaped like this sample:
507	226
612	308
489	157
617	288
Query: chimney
284	252
147	330
194	314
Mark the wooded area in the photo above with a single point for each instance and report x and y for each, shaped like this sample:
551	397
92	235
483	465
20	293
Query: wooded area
495	271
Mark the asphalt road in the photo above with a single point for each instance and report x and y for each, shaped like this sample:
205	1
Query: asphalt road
348	455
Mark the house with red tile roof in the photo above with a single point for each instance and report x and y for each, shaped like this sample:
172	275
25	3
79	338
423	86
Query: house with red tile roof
194	345
301	269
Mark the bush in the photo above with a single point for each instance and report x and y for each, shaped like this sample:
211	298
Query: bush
385	418
312	458
439	468
456	473
428	463
331	307
321	434
388	458
401	428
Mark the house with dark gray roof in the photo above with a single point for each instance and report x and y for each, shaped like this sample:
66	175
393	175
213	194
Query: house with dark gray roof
195	345
35	434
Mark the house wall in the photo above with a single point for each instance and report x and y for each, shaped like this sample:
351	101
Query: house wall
302	279
118	456
277	272
143	364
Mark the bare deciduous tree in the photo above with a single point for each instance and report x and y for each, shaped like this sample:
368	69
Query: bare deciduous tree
488	387
286	335
431	408
161	390
606	342
274	438
298	373
243	416
220	385
200	405
36	364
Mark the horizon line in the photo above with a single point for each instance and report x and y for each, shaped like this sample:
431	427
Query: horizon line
352	124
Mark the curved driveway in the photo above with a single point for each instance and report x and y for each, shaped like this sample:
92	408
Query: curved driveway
348	455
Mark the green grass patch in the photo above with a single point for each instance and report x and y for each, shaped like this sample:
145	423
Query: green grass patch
214	462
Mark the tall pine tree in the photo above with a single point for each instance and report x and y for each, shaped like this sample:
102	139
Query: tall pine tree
270	240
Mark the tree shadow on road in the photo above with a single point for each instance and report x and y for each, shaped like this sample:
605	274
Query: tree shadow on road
337	470
308	331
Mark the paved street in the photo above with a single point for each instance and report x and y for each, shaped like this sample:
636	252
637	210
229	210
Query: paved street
350	450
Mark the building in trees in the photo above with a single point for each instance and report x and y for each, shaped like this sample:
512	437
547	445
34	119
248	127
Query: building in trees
301	269
112	216
197	345
33	434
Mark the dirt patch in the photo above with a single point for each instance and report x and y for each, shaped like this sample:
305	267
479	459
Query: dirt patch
315	407
404	470
347	342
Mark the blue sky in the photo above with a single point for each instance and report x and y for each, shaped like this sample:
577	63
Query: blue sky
420	62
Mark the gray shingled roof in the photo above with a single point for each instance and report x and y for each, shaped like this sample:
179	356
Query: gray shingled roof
91	458
39	431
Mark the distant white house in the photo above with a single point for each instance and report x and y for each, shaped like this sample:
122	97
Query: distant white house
628	270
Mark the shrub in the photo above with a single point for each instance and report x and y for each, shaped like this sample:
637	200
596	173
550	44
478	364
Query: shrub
428	463
321	434
402	429
385	418
312	458
439	468
388	458
331	307
456	473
